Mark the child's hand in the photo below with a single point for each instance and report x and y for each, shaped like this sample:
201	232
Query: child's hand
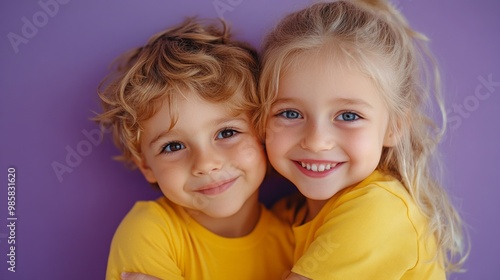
288	276
137	276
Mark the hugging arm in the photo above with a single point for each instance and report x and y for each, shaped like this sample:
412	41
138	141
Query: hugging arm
137	276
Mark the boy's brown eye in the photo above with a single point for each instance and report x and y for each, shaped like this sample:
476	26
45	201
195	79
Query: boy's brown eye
226	133
173	147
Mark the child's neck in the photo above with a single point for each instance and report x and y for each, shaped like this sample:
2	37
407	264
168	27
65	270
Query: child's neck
237	225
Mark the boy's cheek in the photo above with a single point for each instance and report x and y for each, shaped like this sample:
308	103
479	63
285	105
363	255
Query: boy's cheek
250	150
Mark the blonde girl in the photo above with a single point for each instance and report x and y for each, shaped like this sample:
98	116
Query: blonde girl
344	108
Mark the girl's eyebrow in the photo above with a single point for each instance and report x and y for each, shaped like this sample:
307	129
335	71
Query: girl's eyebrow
283	100
352	102
336	101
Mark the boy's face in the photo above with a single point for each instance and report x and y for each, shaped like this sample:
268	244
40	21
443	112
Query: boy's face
210	161
327	128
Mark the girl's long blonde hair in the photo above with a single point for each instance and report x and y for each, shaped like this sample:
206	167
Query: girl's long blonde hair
375	37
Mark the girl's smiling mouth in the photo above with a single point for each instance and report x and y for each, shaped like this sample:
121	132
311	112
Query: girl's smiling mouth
317	168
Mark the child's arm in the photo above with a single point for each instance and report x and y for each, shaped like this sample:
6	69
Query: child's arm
142	244
137	276
291	276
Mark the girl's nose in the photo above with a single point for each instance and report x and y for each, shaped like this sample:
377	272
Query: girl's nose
318	137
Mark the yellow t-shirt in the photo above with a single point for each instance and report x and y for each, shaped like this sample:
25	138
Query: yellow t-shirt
373	230
160	239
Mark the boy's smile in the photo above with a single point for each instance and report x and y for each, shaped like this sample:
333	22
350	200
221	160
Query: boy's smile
217	187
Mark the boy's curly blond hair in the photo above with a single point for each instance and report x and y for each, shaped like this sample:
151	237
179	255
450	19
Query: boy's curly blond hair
194	56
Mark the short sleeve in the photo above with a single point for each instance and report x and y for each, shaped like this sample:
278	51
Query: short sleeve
142	244
366	235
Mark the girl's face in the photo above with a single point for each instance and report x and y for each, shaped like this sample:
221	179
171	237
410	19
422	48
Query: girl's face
327	127
210	161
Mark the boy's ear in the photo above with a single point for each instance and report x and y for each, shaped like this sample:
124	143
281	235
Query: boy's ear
145	169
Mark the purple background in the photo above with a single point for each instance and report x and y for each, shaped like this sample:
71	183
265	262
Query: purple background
48	93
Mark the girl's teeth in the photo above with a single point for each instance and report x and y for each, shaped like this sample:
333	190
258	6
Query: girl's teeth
317	167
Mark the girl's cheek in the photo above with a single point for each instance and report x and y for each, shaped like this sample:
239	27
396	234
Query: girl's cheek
277	131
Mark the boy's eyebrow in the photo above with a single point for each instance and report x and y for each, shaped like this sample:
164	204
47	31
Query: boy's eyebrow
158	137
215	122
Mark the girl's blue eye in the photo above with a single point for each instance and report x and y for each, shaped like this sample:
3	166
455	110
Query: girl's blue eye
172	147
348	117
290	114
226	133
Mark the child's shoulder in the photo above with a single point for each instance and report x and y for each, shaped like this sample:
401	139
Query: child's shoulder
152	215
146	240
380	195
378	185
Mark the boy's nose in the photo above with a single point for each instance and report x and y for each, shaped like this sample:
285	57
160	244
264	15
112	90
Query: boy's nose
317	137
206	162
